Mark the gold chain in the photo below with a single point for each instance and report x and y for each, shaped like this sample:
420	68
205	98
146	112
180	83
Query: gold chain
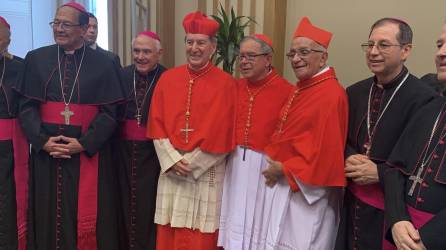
251	100
296	92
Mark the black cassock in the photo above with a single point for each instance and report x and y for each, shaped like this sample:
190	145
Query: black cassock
361	225
55	183
8	111
428	199
137	161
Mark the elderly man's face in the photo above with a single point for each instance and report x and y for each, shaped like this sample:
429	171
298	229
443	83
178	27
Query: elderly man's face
440	57
92	31
306	66
4	39
66	28
254	65
146	54
199	49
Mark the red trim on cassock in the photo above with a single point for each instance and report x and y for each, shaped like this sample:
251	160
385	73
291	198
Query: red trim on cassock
212	109
311	145
10	130
88	176
131	131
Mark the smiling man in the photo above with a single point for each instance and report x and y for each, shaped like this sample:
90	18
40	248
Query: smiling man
261	95
380	108
68	111
137	162
192	119
305	164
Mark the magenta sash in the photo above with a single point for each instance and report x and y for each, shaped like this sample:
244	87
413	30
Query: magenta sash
131	131
418	217
88	178
370	194
10	130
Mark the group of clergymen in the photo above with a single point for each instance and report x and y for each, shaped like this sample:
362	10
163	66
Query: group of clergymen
190	158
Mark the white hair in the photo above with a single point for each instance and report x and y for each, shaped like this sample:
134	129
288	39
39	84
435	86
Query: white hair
157	43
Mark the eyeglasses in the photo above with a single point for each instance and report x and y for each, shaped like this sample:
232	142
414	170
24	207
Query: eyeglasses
302	53
381	46
249	57
63	25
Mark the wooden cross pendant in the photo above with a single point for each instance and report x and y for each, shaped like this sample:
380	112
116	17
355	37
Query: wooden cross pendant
67	113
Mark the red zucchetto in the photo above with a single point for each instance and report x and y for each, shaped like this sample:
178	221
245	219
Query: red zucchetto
75	5
4	22
150	34
199	23
308	30
264	38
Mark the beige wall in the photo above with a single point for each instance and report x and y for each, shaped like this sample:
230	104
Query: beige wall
350	20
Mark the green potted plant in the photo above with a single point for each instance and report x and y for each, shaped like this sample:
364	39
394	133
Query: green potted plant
229	35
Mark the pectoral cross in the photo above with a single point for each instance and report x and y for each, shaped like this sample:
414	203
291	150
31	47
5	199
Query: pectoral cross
416	179
367	147
67	113
186	131
138	118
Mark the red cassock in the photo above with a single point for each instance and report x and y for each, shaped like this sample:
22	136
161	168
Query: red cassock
311	141
212	129
212	109
270	95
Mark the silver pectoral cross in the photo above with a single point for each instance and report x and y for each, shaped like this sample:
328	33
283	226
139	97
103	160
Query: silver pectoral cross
186	131
138	118
416	179
367	146
67	113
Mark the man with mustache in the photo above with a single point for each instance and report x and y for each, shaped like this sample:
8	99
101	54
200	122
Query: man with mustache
13	151
261	95
68	112
137	162
380	108
415	183
192	119
305	171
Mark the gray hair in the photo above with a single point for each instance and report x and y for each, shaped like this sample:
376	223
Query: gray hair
264	47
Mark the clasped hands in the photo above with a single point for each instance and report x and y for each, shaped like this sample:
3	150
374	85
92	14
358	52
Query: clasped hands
62	147
181	168
406	236
361	169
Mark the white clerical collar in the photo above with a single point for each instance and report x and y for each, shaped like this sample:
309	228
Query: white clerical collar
94	46
322	71
69	52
